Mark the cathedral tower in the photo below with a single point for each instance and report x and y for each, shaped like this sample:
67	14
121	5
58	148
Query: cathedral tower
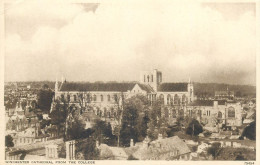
152	78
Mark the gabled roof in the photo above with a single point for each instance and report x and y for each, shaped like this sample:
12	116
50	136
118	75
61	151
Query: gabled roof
162	146
146	88
113	86
99	86
173	87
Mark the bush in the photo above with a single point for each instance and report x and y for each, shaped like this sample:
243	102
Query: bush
207	134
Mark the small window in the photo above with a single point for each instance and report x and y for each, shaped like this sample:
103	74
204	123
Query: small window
94	98
101	97
152	78
108	97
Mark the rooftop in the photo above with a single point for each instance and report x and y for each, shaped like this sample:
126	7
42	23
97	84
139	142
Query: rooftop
173	87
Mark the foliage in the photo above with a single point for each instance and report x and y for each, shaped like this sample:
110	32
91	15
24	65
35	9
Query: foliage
158	122
134	120
103	132
76	129
215	149
9	141
250	131
45	100
88	148
207	133
131	157
44	123
194	128
236	154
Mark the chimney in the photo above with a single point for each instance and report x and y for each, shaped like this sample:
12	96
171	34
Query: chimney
215	104
160	137
131	143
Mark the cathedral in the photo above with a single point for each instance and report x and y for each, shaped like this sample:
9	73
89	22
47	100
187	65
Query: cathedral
106	98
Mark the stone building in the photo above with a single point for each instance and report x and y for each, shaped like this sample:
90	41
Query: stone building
216	113
106	98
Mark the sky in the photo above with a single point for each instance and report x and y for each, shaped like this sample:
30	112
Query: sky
207	42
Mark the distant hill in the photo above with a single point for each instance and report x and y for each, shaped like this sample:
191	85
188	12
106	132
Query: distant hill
209	89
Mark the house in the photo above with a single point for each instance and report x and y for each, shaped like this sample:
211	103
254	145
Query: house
172	148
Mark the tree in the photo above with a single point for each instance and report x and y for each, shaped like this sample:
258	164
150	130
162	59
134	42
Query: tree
45	100
214	150
129	125
134	120
88	149
250	131
158	123
57	116
103	132
9	141
194	128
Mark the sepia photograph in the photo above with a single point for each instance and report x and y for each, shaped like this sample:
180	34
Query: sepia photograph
128	80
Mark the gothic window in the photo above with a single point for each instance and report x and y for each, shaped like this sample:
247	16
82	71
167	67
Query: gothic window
219	115
161	97
88	98
68	97
176	99
168	99
148	78
115	97
94	98
152	78
231	112
108	97
183	98
174	113
144	78
75	98
101	97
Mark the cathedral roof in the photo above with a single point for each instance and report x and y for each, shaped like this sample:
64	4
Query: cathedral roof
99	86
173	87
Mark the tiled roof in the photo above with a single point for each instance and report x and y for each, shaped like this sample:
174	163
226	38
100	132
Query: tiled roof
162	146
98	86
113	86
146	88
173	87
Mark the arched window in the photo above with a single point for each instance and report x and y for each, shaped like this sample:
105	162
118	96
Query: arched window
174	113
115	97
183	99
176	99
94	98
220	115
148	78
161	97
108	97
75	97
168	99
101	97
144	78
68	98
88	98
231	112
152	78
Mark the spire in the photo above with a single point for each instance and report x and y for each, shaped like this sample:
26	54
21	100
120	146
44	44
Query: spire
56	85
